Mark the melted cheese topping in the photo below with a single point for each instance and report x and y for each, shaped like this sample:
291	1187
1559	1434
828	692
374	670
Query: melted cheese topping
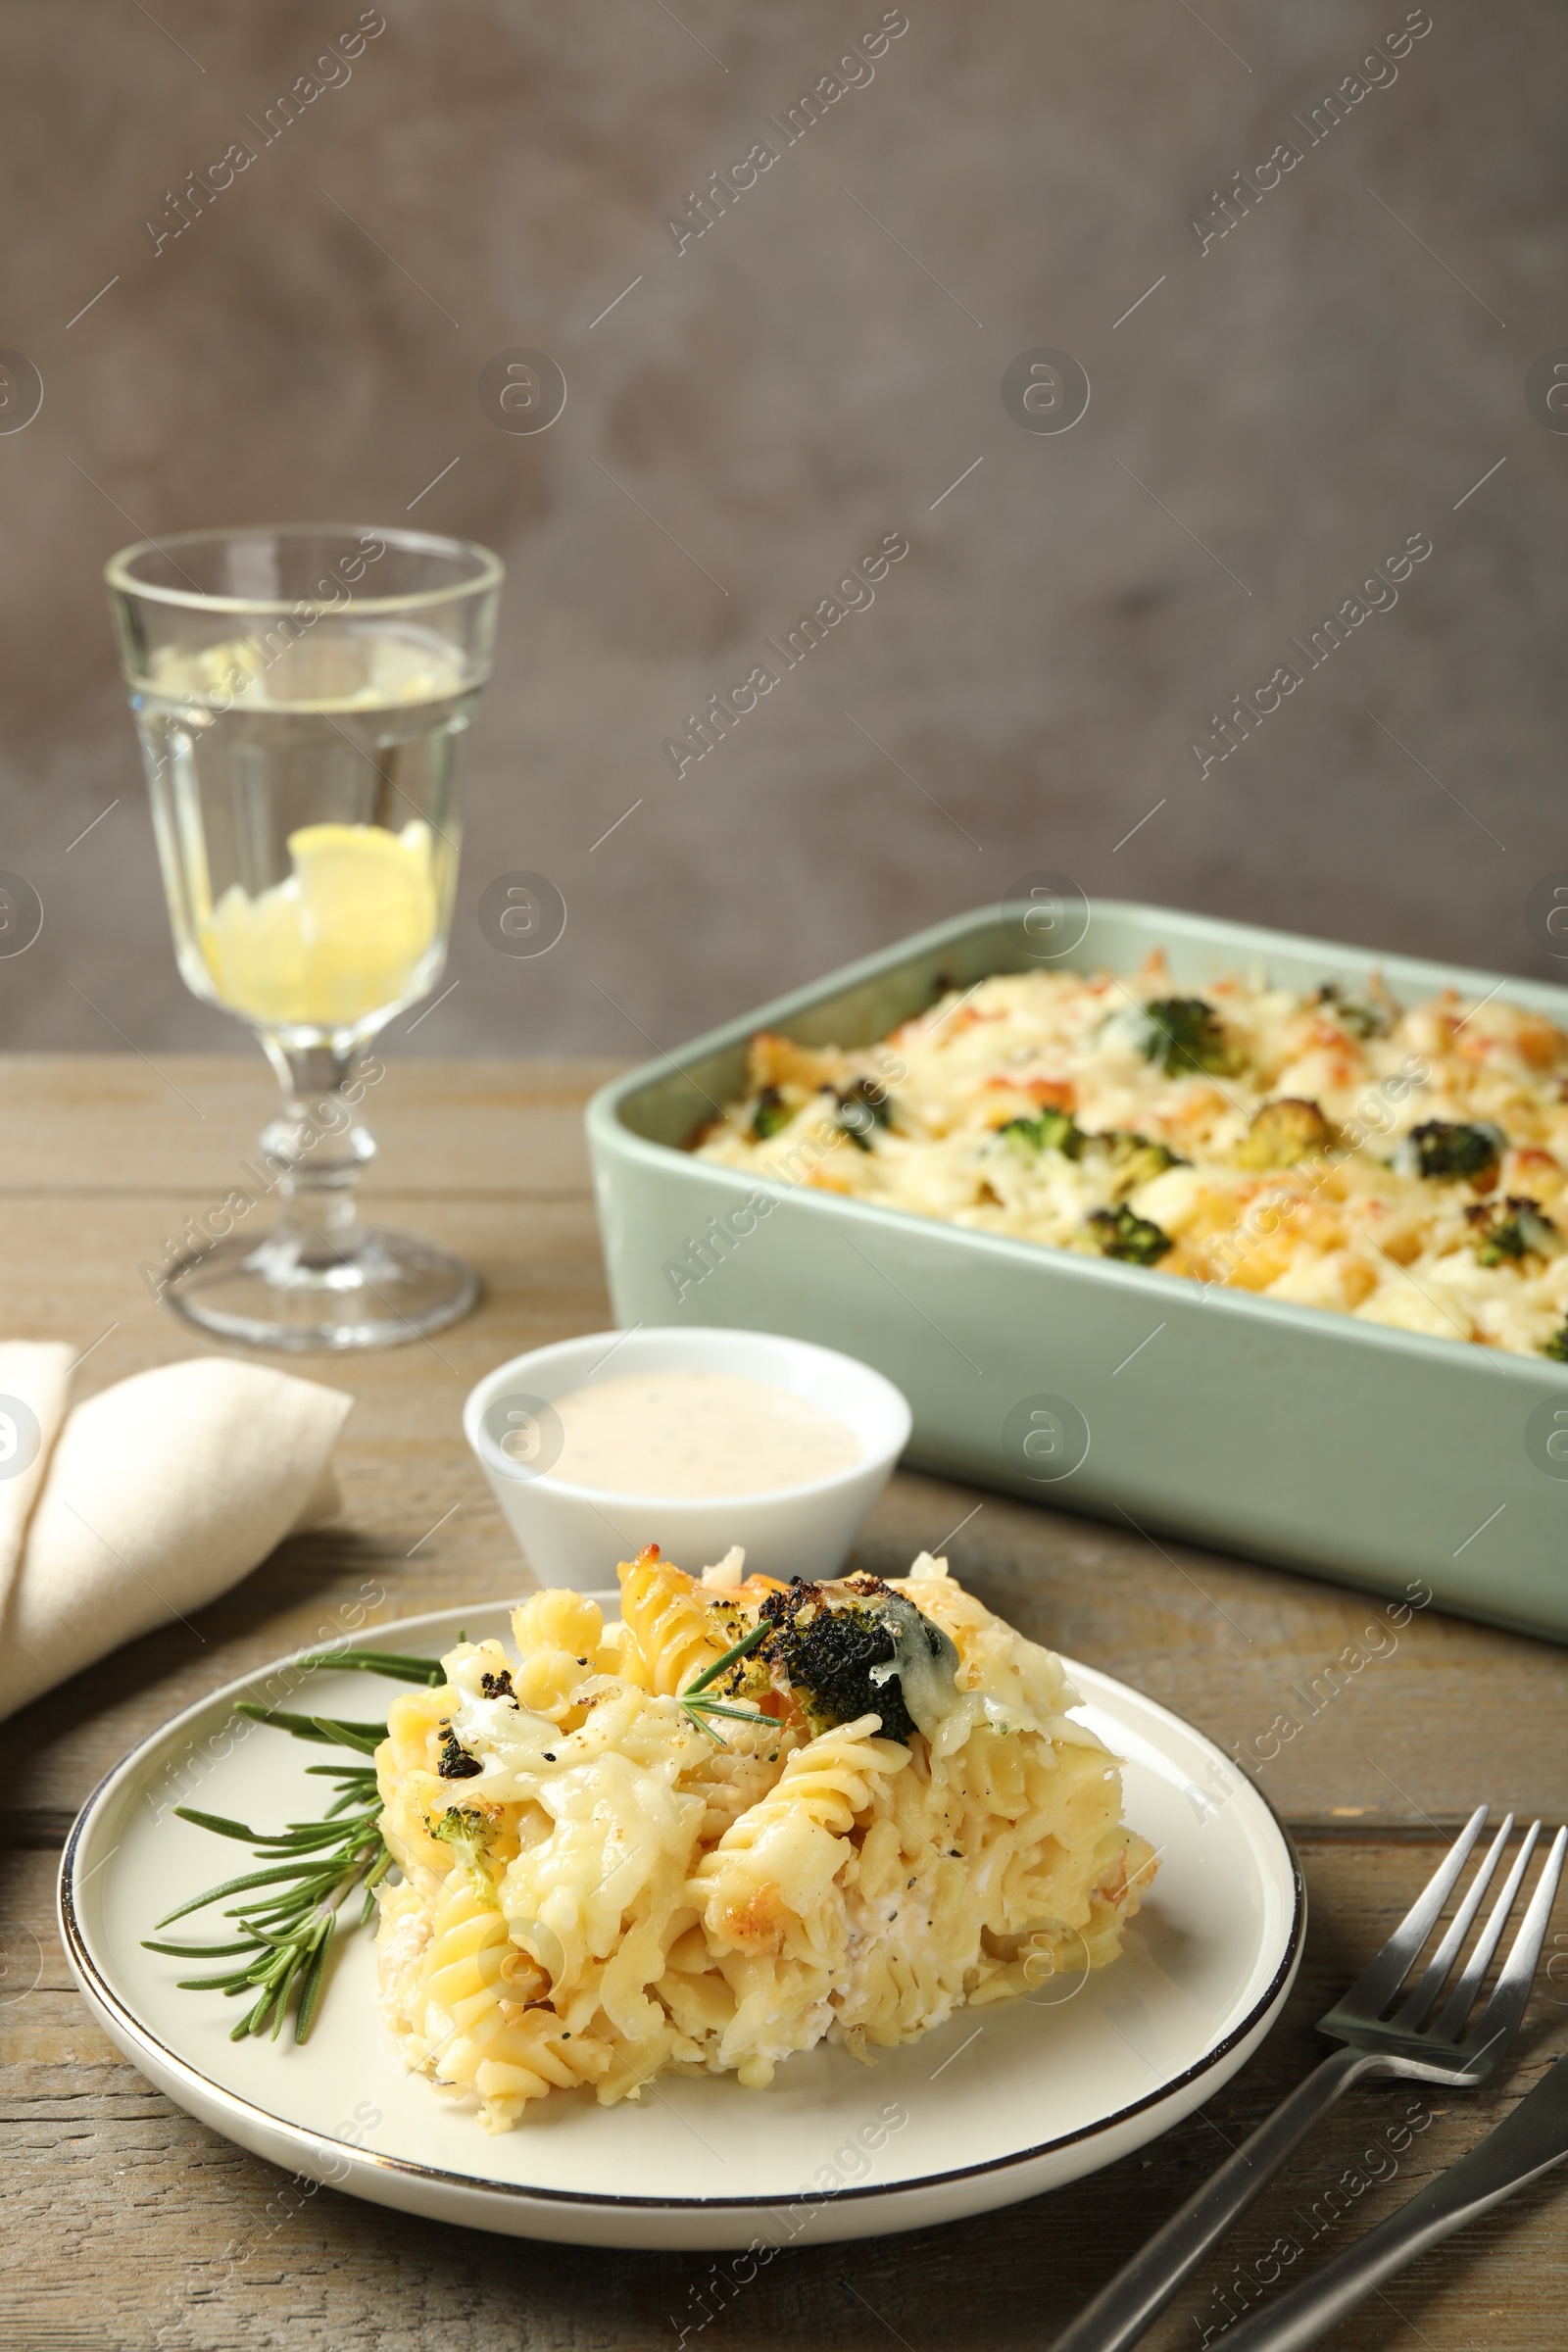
1323	1205
596	1890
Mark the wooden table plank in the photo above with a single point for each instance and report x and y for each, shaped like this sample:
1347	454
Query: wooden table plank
184	1125
156	2231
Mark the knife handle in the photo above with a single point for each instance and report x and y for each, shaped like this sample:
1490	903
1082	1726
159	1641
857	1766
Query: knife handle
1134	2299
1448	2203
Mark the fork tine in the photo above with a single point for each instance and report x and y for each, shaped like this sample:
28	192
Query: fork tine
1462	2000
1435	1972
1373	1991
1499	2020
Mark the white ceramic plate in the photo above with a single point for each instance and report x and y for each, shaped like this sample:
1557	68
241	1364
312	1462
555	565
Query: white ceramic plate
994	2106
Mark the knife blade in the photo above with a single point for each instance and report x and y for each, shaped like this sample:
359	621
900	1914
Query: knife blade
1524	2146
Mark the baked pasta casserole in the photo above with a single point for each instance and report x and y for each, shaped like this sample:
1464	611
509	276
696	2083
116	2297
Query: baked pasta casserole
1404	1164
749	1818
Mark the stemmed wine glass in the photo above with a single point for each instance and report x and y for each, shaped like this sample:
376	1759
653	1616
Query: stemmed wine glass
302	695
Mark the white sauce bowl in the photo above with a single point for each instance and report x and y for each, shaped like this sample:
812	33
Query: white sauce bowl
574	1535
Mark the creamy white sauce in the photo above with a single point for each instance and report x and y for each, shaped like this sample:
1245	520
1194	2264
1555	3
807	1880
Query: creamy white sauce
697	1434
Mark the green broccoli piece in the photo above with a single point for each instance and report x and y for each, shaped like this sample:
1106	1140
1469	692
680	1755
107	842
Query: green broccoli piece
1558	1346
863	1109
1048	1131
467	1831
1184	1036
1452	1152
826	1653
1502	1243
1135	1158
1363	1016
1511	1232
1136	1241
1283	1132
772	1113
827	1646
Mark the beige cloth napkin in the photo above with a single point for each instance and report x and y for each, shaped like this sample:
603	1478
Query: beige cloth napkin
146	1501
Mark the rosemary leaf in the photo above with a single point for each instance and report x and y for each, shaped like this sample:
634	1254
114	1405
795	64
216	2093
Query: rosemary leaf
367	1736
350	1797
310	1988
390	1662
287	1904
202	1951
219	1824
716	1706
258	1877
299	1835
252	2021
742	1649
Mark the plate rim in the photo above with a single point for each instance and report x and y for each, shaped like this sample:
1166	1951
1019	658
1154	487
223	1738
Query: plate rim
98	1989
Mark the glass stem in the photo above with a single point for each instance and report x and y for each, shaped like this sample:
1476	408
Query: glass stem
315	1148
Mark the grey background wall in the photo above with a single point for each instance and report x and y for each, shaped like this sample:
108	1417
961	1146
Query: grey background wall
1289	403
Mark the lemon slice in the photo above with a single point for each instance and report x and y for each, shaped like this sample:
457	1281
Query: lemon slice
342	938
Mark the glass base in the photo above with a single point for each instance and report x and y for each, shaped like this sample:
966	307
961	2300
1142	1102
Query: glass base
285	1291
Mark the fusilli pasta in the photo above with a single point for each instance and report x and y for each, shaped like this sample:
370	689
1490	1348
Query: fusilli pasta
607	1875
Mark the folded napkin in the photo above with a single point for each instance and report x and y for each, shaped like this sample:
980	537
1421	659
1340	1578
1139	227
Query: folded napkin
144	1502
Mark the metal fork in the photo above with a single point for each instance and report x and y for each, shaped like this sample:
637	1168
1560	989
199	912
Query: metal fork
1373	2043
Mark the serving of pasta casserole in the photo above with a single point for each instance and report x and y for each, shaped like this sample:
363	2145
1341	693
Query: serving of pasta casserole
1404	1164
749	1818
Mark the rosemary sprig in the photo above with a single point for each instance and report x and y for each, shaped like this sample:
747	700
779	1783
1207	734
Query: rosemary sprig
290	1909
285	1931
695	1708
312	1867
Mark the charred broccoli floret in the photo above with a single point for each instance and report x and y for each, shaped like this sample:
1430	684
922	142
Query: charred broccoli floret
827	1639
863	1107
1453	1152
1184	1035
772	1113
1558	1346
1282	1133
1117	1233
1508	1230
456	1763
1048	1131
826	1651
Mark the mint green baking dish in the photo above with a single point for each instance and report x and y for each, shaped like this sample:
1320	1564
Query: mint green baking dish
1377	1457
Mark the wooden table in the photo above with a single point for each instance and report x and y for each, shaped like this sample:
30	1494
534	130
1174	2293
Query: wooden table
128	2224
